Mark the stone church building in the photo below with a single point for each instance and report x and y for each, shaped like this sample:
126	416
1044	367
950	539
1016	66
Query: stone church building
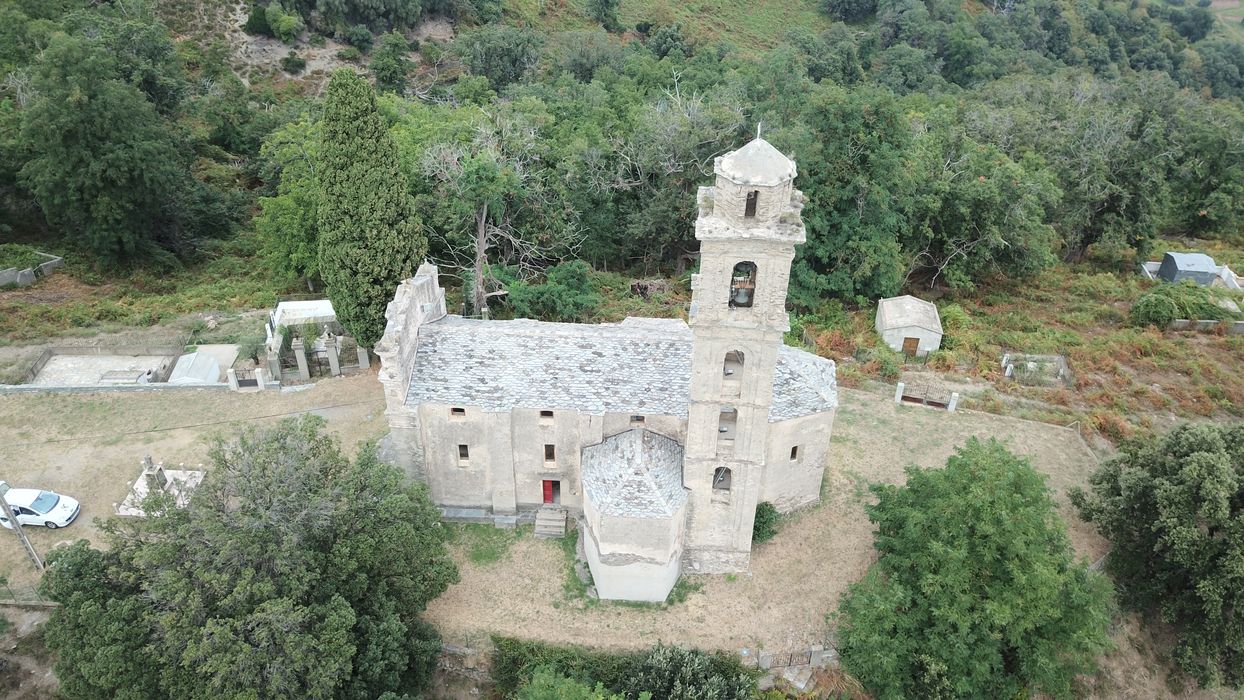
661	436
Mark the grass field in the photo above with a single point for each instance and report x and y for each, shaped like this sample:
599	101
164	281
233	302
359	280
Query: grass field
1230	17
748	24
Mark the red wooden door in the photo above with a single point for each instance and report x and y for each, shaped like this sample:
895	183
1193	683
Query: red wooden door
548	491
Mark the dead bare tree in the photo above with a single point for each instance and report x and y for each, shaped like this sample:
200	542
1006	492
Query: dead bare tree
498	179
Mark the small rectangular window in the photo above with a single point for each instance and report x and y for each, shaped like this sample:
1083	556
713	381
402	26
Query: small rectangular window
637	420
464	455
794	453
550	453
457	413
546	417
749	209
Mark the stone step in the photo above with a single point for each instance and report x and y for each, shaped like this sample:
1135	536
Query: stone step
550	523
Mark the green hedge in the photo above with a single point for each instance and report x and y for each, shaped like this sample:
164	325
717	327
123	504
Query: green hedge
658	670
515	661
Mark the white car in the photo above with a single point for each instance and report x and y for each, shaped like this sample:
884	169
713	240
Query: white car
36	507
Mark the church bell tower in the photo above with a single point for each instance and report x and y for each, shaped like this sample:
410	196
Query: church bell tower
749	224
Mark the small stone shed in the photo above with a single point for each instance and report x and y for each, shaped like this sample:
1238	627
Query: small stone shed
1198	267
909	325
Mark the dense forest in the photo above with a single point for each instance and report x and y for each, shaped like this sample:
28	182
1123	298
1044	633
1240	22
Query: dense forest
938	143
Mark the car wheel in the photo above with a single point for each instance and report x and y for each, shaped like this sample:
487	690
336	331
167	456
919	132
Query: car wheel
50	525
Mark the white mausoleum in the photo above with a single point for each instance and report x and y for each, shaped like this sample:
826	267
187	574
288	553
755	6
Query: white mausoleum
663	436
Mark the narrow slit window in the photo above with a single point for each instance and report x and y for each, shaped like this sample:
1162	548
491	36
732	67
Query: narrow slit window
550	453
794	453
743	284
457	413
464	454
749	209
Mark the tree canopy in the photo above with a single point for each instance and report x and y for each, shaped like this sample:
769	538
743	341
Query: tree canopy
1172	507
293	573
974	592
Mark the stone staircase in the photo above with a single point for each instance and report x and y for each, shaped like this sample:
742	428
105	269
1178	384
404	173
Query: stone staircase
551	522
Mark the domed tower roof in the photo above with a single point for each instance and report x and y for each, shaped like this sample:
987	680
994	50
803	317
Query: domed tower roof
757	163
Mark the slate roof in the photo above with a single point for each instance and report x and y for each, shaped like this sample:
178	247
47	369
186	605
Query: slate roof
640	366
757	163
906	311
635	474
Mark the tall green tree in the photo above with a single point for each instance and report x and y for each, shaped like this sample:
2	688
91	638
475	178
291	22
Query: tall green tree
1173	510
974	592
370	237
856	174
103	165
294	572
288	223
389	63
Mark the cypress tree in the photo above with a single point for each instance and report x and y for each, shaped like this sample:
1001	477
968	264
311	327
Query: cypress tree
370	237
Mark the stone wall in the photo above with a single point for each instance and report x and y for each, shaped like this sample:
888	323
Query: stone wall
788	483
27	277
1183	324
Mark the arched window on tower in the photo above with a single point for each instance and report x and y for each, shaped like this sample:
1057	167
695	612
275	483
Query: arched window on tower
749	209
721	479
743	284
726	425
732	374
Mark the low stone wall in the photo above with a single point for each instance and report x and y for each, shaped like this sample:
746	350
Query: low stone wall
1183	324
796	666
28	276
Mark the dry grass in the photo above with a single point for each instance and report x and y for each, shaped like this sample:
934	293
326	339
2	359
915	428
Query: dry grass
1125	378
89	445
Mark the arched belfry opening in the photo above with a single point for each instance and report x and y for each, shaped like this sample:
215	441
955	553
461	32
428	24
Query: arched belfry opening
743	284
732	368
749	209
721	479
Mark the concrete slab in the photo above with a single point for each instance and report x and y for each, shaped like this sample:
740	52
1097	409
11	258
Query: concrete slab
226	355
89	370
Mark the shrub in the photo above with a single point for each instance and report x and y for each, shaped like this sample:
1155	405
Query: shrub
515	661
849	10
955	322
293	63
568	293
670	673
975	592
766	525
19	256
1168	302
1172	508
284	25
257	21
349	53
688	674
359	36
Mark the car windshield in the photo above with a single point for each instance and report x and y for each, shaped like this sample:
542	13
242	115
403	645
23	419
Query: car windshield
45	502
